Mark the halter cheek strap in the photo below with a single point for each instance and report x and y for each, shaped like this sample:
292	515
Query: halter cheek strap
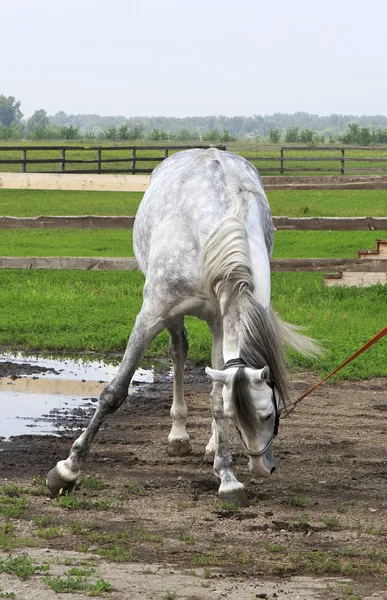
240	363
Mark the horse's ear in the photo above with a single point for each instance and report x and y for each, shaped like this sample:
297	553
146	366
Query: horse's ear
220	376
259	375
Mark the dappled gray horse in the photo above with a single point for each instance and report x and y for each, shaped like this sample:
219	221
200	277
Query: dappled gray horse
203	237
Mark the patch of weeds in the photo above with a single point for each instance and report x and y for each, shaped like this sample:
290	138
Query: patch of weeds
227	507
132	487
93	484
206	573
50	533
170	595
45	521
323	562
332	522
342	508
7	595
205	584
79	529
203	560
116	553
186	537
39	486
144	534
71	502
21	566
276	548
242	558
82	548
13	501
300	488
68	562
79	572
8	539
359	528
299	502
76	579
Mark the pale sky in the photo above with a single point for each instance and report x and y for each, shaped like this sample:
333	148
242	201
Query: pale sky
200	57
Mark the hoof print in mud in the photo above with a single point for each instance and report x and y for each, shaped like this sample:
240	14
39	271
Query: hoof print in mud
179	448
57	485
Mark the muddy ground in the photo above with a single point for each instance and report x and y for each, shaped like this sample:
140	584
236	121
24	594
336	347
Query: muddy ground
154	527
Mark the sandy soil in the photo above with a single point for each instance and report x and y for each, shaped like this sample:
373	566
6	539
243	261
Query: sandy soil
316	529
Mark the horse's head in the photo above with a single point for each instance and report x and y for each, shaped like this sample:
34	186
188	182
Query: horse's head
252	403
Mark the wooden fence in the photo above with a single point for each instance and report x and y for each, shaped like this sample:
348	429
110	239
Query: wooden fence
134	159
127	156
129	264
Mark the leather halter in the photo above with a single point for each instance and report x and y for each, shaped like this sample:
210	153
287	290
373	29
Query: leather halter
241	364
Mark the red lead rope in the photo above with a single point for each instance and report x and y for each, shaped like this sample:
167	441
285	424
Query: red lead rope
370	343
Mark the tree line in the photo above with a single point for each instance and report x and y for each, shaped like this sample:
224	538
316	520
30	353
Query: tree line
298	127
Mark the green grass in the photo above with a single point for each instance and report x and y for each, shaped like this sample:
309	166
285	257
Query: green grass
33	203
21	566
67	311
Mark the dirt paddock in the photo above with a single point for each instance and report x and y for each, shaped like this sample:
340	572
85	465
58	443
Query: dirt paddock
154	527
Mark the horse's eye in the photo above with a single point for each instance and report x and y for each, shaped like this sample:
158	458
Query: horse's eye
268	417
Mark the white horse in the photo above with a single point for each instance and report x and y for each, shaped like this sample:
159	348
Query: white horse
203	237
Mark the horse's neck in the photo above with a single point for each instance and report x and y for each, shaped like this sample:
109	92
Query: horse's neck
231	318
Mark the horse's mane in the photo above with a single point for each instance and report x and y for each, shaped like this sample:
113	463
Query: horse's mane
227	268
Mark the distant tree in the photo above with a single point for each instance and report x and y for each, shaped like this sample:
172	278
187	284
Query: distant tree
211	136
38	120
183	135
137	132
227	137
274	136
123	133
111	133
306	136
69	133
291	134
9	110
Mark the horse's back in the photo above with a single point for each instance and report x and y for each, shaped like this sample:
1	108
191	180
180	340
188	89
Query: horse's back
188	195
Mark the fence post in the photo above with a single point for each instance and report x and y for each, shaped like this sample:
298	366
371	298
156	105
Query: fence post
23	160
165	153
62	163
342	161
99	160
282	161
133	161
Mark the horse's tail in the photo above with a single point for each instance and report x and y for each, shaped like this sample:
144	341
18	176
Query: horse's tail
292	336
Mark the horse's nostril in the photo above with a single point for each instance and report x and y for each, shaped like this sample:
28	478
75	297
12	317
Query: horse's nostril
272	471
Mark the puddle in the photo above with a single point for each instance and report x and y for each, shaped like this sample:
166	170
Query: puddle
45	396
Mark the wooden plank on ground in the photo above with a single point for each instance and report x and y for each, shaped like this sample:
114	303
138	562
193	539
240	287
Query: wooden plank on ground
328	264
139	183
331	223
73	222
64	181
87	263
130	264
126	222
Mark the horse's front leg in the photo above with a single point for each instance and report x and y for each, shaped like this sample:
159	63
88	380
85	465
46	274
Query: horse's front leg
230	488
64	475
178	440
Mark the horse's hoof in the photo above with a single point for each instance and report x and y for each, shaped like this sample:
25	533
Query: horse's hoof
237	496
179	447
57	485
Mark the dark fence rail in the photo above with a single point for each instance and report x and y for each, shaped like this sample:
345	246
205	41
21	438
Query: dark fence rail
122	157
126	222
136	159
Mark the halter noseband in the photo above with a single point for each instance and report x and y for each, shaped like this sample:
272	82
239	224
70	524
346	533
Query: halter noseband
241	364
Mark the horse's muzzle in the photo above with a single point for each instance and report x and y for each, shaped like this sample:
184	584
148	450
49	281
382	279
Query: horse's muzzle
262	466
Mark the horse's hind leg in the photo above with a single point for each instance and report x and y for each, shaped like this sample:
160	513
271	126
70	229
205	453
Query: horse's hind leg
178	439
64	475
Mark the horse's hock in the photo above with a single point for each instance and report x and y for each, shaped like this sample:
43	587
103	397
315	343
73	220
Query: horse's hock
360	278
